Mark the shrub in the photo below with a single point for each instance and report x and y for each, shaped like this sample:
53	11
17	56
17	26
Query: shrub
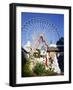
26	69
39	69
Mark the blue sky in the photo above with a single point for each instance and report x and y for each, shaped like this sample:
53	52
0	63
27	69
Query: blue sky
34	24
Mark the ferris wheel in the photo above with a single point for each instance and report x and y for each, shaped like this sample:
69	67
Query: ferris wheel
45	25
